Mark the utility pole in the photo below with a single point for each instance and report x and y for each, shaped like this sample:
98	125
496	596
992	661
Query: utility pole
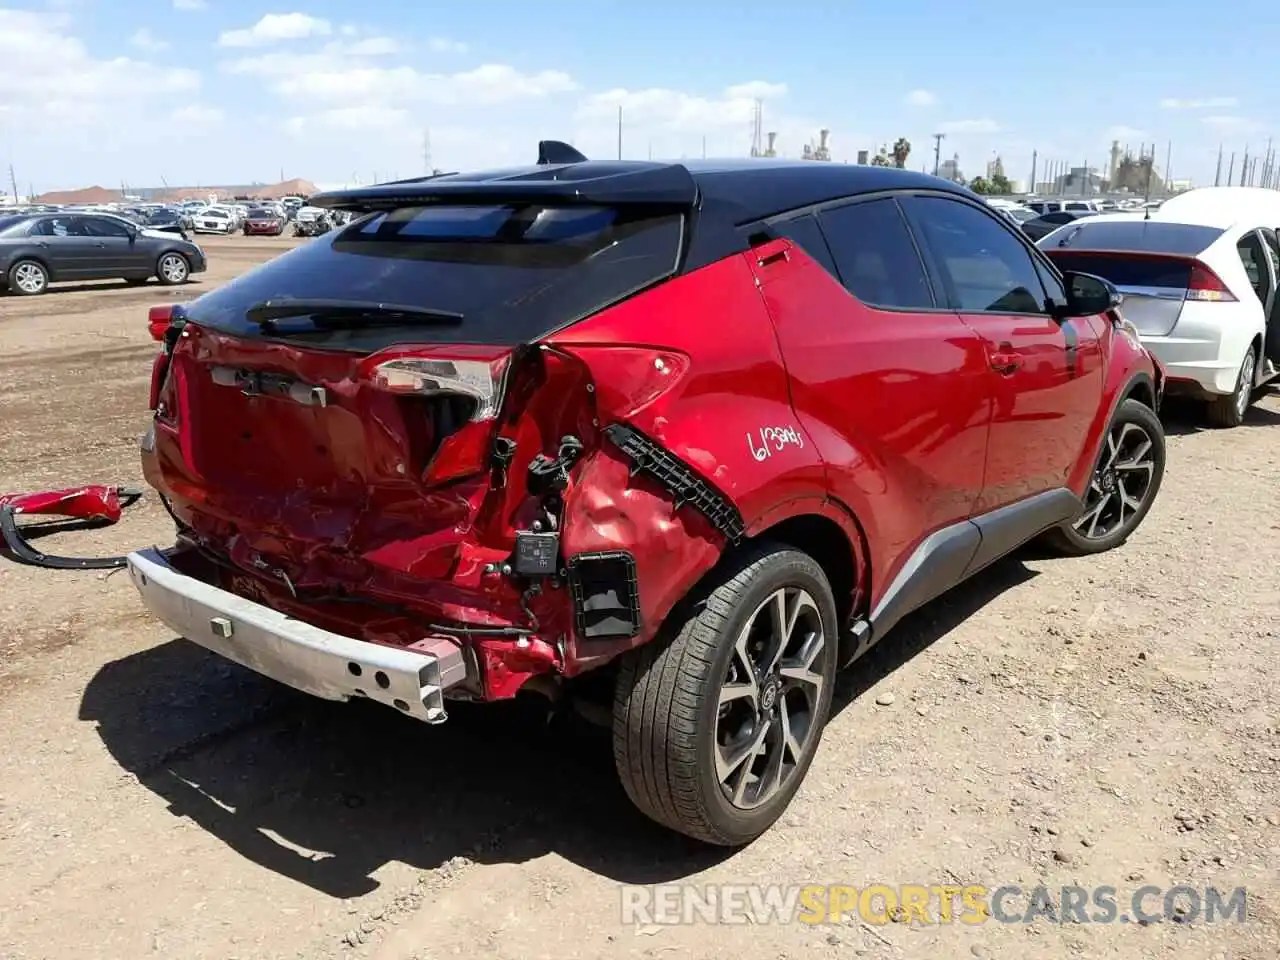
1217	174
13	182
937	152
1244	165
619	131
1231	166
1168	165
704	146
1032	185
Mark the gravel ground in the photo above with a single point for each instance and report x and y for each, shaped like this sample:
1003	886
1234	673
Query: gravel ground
1109	721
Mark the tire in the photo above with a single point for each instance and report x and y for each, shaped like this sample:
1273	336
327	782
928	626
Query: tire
1229	411
173	269
667	713
1099	527
28	278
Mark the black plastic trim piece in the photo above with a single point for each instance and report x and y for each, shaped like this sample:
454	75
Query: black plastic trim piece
679	478
22	549
951	555
625	621
1005	530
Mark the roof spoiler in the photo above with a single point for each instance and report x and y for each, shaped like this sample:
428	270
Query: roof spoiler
613	185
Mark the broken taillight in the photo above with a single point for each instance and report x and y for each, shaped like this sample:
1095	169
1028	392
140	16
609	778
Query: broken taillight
158	320
464	451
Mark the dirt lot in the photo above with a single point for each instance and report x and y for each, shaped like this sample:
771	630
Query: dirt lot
1095	722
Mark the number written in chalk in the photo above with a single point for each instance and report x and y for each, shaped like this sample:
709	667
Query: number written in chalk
770	440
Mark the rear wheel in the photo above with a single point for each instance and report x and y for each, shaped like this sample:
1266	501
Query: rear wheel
1229	411
28	278
1123	486
714	731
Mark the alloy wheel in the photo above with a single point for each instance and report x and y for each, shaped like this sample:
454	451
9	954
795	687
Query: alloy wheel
1244	391
29	278
769	697
1121	483
173	268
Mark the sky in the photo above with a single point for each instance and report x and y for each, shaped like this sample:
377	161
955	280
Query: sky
214	92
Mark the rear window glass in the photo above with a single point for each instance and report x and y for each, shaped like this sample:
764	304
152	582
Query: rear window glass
514	271
7	222
1161	272
1138	236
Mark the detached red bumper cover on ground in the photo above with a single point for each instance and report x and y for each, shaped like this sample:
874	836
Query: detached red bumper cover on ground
96	502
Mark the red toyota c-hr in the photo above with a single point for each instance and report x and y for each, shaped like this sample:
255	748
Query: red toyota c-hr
713	428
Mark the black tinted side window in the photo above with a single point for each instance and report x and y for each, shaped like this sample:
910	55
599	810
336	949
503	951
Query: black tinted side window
98	227
804	232
875	255
984	266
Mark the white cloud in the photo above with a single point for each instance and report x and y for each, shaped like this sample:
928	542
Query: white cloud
145	40
1202	103
49	78
352	118
662	107
445	45
922	98
1121	132
334	79
275	27
1230	122
963	127
368	47
197	114
189	4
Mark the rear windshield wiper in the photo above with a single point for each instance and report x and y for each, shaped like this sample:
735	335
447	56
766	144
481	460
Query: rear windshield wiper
332	314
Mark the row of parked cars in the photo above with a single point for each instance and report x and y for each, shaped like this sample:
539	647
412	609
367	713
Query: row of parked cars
42	244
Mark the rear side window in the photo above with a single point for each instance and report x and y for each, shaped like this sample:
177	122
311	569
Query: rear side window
875	255
514	271
1169	273
984	266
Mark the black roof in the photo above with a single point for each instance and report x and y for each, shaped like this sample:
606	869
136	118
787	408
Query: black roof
751	189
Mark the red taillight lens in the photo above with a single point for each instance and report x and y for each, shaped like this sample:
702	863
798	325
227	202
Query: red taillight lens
628	379
158	320
1205	285
159	367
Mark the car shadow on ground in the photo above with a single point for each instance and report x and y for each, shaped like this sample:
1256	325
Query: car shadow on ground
1182	417
102	286
326	794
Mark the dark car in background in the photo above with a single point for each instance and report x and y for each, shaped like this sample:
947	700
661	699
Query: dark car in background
39	249
1046	223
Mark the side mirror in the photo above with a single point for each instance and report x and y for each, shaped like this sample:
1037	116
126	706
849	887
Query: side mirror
1088	295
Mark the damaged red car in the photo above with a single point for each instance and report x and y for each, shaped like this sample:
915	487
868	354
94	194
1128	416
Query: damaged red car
699	434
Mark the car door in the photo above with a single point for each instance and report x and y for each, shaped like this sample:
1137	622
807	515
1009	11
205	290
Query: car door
892	389
114	249
1046	373
60	240
1272	345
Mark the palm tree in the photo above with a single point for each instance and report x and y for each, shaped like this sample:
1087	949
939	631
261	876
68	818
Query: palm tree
901	150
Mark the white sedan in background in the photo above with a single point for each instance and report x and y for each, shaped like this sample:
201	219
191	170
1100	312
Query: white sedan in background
215	219
1200	285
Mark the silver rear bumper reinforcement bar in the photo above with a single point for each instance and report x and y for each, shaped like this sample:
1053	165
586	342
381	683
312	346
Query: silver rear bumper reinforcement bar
410	679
